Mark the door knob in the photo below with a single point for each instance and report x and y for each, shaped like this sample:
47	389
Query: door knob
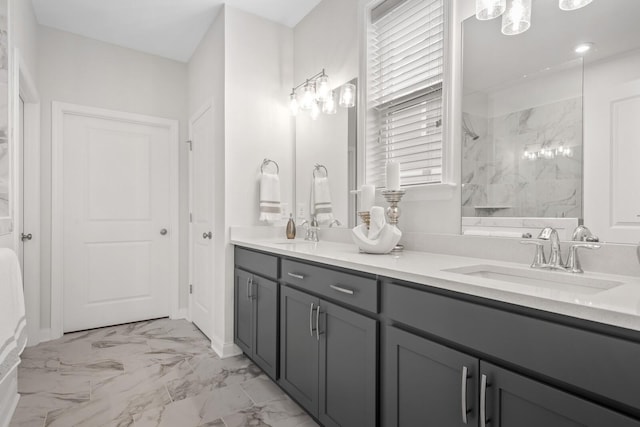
163	232
208	235
26	236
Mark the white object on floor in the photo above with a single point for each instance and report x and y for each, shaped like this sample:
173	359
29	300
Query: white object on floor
13	331
376	222
270	210
321	206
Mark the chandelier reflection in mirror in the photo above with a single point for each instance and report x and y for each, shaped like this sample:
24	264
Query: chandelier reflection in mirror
516	14
315	95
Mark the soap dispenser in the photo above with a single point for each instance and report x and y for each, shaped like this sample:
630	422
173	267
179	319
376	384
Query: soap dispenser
291	228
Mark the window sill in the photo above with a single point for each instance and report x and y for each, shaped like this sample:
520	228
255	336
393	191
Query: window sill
444	191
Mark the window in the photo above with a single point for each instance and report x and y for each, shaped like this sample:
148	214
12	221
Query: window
405	67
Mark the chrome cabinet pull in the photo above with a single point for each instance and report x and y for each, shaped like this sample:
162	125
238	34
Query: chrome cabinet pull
297	276
318	324
311	320
341	289
463	397
249	283
483	401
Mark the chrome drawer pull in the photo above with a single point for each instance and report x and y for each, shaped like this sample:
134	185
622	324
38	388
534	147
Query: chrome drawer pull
318	324
311	320
463	397
297	276
343	290
483	401
249	287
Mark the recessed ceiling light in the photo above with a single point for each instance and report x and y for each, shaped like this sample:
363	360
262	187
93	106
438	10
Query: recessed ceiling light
583	47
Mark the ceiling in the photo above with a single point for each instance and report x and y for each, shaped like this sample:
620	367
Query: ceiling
168	28
492	60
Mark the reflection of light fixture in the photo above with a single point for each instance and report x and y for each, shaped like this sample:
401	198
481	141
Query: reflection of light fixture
348	95
517	18
548	152
315	110
293	104
322	88
573	4
516	14
308	95
489	9
583	47
317	95
329	106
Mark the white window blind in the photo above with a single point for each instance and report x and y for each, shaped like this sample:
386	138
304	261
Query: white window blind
405	73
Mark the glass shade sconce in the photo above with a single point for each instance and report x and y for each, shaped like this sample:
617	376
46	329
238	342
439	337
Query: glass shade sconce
573	4
516	14
489	9
517	18
316	96
348	95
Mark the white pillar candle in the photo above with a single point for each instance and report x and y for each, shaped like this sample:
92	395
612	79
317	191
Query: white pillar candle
368	197
393	175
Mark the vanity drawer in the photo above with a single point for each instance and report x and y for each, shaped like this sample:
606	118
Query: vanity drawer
341	286
595	362
257	262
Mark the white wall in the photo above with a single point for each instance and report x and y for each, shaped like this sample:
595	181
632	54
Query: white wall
258	78
82	71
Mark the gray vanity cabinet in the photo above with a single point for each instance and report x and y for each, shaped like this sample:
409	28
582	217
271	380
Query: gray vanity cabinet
328	359
512	400
256	319
428	384
256	308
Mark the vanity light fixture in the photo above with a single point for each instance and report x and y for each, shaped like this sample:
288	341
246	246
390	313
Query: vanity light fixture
573	4
317	96
548	152
516	14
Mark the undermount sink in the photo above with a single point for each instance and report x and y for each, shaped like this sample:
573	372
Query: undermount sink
556	280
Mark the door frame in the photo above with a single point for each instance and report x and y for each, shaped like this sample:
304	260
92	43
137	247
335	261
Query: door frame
58	111
194	117
24	86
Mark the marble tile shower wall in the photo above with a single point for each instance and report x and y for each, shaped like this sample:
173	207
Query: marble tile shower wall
497	179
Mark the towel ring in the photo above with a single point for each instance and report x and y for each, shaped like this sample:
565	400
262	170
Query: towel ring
317	168
265	162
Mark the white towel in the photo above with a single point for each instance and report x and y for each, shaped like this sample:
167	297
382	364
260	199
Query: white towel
13	334
270	210
321	206
376	222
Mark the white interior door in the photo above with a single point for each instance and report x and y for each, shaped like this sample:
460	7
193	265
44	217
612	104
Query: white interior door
612	149
201	205
117	220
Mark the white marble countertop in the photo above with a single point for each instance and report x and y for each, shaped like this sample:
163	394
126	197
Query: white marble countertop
619	306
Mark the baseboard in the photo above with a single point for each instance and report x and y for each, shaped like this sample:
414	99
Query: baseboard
225	350
183	313
9	398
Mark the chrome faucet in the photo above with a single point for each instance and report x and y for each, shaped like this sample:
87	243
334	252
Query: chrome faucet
583	234
311	229
336	223
555	257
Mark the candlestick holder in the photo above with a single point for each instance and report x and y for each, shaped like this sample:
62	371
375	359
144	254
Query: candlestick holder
393	197
365	216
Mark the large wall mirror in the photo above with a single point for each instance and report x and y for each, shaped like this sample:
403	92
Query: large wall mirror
546	127
329	141
5	149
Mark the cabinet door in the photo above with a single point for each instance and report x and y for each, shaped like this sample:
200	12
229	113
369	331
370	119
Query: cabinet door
516	401
265	326
347	367
427	384
243	311
299	347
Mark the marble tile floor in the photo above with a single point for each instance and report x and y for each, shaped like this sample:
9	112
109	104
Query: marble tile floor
153	373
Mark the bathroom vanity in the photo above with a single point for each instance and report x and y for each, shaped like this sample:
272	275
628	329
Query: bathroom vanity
365	340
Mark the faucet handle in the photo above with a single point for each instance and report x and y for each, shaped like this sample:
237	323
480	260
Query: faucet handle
539	259
573	262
